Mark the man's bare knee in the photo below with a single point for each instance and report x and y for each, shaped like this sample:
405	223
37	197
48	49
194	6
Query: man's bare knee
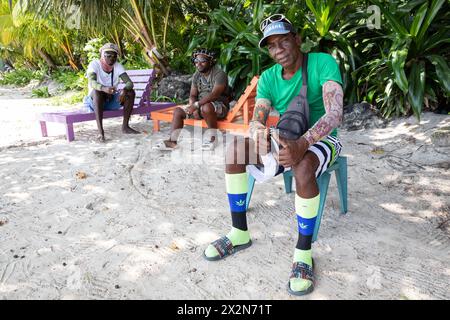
208	110
179	113
97	94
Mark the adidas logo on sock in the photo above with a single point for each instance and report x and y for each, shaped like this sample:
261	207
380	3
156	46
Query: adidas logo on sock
303	226
240	203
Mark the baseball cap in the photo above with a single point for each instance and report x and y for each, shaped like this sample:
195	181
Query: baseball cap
274	25
110	47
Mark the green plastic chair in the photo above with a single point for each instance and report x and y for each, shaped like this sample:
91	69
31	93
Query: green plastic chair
340	169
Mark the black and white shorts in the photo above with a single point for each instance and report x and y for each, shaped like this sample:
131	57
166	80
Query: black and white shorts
327	150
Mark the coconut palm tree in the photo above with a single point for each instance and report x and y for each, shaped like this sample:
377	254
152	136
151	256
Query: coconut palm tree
47	37
146	22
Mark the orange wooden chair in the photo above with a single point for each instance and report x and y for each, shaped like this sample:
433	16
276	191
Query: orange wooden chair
237	120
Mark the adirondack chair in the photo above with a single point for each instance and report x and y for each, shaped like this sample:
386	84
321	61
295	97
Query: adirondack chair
237	120
142	80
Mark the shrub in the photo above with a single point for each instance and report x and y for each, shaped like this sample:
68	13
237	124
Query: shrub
21	77
40	92
70	80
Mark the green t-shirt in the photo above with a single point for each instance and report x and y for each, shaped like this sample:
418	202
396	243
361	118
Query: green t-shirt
322	67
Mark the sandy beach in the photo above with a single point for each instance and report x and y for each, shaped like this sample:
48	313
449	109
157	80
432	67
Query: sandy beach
85	220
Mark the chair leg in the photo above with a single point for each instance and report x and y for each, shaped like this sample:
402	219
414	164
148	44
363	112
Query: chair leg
44	128
69	132
155	125
287	176
341	179
322	182
251	185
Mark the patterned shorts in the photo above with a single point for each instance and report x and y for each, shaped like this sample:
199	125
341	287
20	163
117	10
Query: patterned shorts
327	150
220	108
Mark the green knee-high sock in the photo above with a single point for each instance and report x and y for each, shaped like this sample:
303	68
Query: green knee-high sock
306	210
237	188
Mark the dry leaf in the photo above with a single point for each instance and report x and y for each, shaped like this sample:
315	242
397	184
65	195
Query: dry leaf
377	150
81	175
174	246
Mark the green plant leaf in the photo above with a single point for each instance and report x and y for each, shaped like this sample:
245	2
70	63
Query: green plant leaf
442	71
398	64
436	39
417	22
395	22
431	14
417	87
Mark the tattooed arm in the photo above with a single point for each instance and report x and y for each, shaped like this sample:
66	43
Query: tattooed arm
126	79
257	129
333	101
260	115
92	78
262	110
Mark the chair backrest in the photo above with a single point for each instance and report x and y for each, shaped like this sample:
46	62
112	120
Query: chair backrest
247	99
142	80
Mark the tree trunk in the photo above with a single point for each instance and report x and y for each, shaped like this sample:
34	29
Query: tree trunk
159	62
44	55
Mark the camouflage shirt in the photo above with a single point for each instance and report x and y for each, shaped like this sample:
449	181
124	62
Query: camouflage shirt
206	84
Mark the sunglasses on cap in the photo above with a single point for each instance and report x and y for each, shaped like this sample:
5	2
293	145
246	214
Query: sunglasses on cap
273	18
200	60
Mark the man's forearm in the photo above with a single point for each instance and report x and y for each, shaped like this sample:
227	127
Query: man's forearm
92	79
260	115
192	100
262	111
126	79
213	96
333	102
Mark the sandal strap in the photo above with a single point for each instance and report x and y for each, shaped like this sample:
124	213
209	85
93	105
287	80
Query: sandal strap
302	270
223	246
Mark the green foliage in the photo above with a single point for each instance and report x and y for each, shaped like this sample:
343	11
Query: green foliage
40	92
133	56
92	48
21	77
70	80
232	32
411	71
402	68
71	99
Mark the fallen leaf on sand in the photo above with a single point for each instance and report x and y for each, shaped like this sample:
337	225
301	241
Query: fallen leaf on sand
174	246
377	150
81	175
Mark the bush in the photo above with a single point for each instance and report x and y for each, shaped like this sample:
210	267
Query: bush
40	92
21	77
411	72
70	80
92	48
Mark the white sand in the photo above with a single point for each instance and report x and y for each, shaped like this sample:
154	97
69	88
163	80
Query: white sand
137	225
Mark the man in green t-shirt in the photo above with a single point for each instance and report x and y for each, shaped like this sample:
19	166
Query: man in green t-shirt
308	156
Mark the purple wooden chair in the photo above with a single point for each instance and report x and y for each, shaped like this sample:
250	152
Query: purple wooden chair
142	80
